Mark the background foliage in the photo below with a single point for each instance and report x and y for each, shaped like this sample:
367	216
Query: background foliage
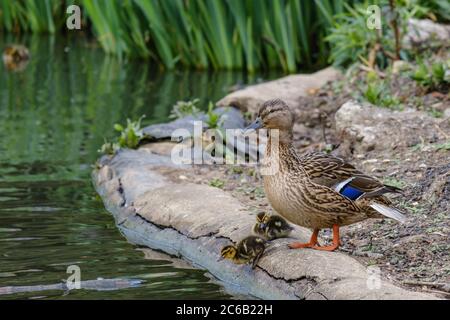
218	34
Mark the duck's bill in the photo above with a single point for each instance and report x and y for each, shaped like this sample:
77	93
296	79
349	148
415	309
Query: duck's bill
257	124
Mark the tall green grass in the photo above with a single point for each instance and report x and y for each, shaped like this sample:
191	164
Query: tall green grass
218	34
32	15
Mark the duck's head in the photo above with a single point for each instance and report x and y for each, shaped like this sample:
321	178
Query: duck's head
274	114
228	252
262	219
15	57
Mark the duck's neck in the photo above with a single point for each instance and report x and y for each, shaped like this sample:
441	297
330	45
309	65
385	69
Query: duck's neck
284	137
282	149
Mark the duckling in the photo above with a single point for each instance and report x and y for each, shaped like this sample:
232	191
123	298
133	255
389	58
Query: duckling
15	57
248	250
271	227
316	190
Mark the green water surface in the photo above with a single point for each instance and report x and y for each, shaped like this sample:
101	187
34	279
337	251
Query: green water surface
54	116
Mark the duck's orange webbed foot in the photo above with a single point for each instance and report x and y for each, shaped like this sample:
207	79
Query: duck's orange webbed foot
311	244
326	248
299	245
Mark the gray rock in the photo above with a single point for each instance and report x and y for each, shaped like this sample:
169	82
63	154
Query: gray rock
230	118
373	128
165	130
421	32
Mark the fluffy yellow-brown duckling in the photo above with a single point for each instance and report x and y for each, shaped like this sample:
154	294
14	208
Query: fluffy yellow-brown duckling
271	227
248	250
15	57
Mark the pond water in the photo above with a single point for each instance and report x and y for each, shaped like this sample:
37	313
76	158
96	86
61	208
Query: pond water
54	116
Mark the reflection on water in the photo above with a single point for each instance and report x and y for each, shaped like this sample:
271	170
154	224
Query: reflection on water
53	117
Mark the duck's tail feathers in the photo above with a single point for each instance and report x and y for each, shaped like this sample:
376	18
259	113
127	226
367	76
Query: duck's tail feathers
389	212
392	189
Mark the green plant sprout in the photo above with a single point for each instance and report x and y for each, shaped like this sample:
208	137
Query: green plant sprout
443	146
213	120
218	183
184	108
109	148
130	137
433	77
377	93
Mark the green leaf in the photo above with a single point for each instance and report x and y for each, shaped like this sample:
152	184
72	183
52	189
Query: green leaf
438	71
118	127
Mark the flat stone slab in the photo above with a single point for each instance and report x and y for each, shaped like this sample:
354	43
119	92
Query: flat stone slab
155	206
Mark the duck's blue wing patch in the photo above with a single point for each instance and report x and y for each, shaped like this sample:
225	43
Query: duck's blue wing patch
345	189
350	192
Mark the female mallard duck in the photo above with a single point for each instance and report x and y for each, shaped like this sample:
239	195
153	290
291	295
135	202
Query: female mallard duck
317	190
248	250
15	57
271	227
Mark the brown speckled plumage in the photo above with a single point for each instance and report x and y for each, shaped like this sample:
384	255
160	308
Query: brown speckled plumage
304	189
